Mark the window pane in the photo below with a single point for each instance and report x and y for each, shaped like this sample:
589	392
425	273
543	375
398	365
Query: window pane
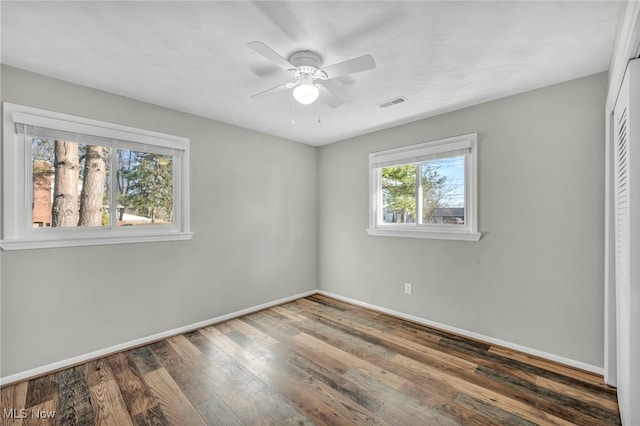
145	188
443	191
70	184
399	194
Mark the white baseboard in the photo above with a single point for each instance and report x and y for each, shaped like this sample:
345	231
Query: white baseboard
551	357
49	368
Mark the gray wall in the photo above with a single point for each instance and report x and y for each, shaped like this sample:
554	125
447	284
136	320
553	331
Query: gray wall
253	214
535	277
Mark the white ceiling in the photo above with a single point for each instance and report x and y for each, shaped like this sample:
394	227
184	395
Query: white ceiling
192	56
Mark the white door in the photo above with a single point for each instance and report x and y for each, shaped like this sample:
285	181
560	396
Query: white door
626	167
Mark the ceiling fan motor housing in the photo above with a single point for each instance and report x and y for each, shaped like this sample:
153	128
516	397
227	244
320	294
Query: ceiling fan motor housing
307	65
306	58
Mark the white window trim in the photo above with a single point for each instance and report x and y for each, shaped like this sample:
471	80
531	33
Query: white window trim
413	154
18	234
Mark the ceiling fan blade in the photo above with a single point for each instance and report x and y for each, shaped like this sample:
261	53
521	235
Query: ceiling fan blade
266	70
361	63
264	93
328	97
270	54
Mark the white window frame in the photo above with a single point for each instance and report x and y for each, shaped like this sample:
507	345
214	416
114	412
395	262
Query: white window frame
466	145
17	231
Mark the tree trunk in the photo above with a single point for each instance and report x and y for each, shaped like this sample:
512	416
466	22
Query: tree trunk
64	212
92	196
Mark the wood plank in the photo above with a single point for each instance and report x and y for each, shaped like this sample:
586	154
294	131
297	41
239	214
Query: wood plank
482	394
378	355
552	366
359	343
151	417
183	373
43	414
201	339
492	412
336	357
293	316
41	389
133	389
143	359
164	353
108	406
322	349
74	403
346	316
315	399
13	399
184	347
401	344
608	403
412	411
261	338
328	302
497	362
443	400
263	403
268	316
215	412
298	348
580	407
288	358
173	403
98	372
234	396
392	325
517	379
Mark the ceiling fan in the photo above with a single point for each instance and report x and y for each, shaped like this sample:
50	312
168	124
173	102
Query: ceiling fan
305	68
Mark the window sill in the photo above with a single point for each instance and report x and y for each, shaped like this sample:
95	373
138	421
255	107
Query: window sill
25	244
415	233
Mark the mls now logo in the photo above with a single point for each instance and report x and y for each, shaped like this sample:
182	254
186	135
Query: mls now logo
14	413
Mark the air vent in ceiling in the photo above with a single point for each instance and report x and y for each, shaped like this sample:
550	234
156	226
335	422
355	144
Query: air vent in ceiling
393	101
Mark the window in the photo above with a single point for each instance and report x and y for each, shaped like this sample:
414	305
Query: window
425	191
71	181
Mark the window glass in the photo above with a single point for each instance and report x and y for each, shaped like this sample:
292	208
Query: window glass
145	188
443	191
399	194
70	184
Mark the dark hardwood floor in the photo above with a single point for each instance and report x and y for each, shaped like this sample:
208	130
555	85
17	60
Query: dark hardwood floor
314	361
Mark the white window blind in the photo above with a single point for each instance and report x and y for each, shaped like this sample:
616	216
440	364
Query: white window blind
423	152
90	139
96	131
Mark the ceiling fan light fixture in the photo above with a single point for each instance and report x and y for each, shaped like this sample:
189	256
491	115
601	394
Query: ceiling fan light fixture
306	93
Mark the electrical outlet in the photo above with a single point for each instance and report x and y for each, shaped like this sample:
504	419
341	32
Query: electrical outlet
407	288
